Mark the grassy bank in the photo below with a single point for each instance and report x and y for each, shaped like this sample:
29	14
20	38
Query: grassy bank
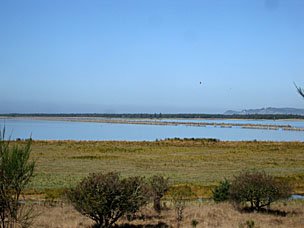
199	163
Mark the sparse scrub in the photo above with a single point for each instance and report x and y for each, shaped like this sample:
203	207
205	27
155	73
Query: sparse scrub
16	171
106	197
258	189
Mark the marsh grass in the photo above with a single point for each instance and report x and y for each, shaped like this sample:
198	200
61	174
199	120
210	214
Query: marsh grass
196	162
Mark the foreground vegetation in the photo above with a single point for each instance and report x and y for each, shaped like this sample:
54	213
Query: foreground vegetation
108	199
16	172
200	163
203	214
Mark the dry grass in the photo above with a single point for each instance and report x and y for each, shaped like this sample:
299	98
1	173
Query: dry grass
201	163
59	217
206	214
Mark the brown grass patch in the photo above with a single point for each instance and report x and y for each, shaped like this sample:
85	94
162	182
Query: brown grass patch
206	214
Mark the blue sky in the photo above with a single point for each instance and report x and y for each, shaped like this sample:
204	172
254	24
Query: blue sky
150	56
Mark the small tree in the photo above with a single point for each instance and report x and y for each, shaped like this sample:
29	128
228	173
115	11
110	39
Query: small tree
257	188
105	197
16	172
221	192
159	186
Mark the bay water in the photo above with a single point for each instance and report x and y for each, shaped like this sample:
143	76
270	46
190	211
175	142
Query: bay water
67	130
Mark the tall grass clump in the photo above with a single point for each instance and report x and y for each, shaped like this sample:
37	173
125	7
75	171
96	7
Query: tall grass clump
16	171
106	197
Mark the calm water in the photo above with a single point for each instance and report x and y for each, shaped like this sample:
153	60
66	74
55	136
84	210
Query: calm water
61	130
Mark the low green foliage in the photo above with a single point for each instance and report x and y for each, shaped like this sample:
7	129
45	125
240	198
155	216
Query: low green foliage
106	197
221	192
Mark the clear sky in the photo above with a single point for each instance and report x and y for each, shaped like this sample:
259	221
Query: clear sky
150	55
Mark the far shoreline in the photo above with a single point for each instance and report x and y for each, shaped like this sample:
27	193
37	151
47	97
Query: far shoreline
151	119
145	121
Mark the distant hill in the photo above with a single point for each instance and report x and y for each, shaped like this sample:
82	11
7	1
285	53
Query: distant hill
268	111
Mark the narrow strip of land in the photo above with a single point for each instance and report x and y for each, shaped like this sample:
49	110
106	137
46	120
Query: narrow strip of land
159	122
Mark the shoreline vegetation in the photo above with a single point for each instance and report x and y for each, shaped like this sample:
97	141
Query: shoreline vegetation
143	121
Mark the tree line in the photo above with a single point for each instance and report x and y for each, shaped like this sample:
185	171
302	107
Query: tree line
160	115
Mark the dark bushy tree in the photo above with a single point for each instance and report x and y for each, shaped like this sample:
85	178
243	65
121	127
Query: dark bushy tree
105	197
258	188
159	186
221	192
16	172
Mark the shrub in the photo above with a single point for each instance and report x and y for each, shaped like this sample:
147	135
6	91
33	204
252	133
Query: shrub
159	186
257	188
221	192
16	172
105	197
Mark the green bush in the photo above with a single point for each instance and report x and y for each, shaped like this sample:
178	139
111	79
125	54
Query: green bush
221	192
258	189
16	171
159	186
105	197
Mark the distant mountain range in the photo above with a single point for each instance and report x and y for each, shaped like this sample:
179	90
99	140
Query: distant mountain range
269	110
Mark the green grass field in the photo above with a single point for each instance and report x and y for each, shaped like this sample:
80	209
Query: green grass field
200	163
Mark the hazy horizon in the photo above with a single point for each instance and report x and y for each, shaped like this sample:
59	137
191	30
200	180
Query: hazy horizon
136	56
